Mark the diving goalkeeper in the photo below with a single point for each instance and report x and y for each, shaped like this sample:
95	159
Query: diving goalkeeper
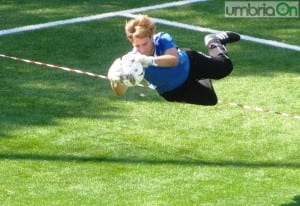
179	75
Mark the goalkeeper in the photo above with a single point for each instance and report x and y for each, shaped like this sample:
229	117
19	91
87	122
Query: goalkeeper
179	75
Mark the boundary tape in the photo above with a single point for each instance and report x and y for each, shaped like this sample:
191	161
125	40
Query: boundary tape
72	70
258	109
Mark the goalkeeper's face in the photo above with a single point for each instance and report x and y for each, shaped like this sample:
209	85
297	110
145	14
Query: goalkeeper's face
143	45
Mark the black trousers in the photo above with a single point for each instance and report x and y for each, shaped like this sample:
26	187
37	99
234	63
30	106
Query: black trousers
198	88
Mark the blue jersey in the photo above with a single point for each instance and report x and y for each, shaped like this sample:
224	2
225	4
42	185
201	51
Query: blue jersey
167	78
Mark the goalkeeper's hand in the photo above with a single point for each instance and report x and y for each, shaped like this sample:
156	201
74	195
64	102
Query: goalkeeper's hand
115	75
146	61
115	71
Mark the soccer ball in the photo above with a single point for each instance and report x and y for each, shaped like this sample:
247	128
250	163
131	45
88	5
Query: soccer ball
133	71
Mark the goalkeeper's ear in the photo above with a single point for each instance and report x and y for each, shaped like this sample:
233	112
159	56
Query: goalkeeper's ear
118	88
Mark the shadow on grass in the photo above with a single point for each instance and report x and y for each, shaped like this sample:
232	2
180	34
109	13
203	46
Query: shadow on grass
40	97
116	160
296	202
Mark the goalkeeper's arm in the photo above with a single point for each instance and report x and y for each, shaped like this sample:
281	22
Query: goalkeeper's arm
168	59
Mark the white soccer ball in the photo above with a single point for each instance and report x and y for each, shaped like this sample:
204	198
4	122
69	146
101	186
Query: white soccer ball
133	71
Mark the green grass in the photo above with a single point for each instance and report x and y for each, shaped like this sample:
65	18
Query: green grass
65	139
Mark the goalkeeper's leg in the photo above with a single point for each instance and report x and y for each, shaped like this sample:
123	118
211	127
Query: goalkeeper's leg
216	42
217	65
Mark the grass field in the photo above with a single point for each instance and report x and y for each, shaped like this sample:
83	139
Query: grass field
65	139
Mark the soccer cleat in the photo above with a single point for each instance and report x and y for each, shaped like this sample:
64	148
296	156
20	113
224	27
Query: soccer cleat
221	37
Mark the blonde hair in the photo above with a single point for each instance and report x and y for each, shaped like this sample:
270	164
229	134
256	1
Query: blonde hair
140	27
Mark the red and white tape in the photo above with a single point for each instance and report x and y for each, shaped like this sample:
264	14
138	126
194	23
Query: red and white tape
60	67
54	66
258	109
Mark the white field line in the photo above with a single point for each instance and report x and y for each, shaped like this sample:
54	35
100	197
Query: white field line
207	30
271	43
94	17
128	13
